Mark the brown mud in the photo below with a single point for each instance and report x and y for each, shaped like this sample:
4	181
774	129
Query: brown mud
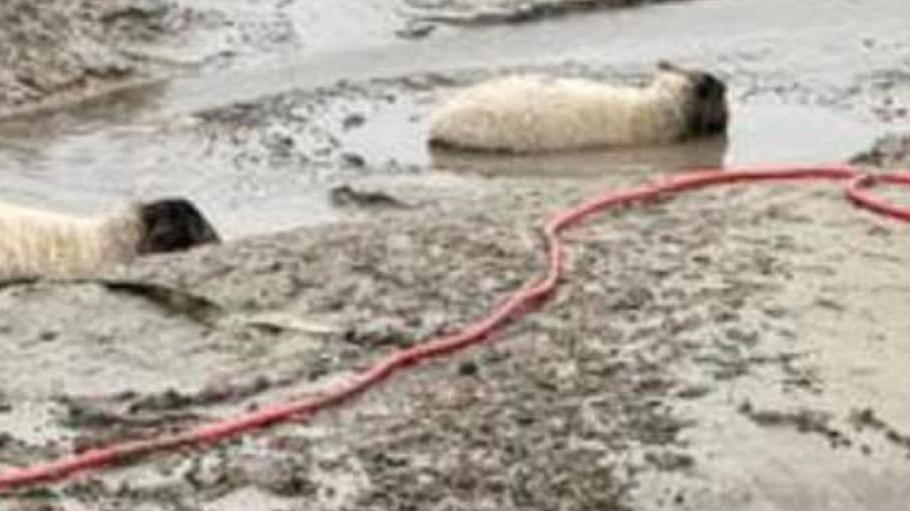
729	349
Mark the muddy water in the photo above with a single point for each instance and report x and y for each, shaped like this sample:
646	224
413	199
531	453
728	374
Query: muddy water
87	171
817	41
88	157
759	134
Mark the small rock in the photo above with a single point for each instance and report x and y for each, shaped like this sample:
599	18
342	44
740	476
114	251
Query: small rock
354	160
694	392
353	121
468	368
829	303
344	195
415	30
283	477
670	461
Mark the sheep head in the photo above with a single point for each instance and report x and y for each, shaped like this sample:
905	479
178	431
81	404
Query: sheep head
704	99
173	224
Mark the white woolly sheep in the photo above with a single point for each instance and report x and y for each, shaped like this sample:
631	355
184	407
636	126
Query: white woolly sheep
35	243
533	113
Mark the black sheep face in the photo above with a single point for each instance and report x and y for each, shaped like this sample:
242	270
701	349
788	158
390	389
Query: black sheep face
709	104
174	224
706	106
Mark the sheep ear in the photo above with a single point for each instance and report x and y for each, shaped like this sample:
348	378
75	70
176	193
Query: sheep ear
670	67
666	65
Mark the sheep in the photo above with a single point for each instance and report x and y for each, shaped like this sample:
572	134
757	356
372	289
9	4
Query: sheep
43	244
535	114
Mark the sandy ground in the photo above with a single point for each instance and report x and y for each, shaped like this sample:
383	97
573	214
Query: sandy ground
688	336
732	349
60	50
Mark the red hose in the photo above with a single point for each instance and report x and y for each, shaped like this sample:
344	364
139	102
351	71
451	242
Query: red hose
857	193
517	305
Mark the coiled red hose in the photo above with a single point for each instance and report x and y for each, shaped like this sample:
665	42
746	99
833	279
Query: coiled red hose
517	305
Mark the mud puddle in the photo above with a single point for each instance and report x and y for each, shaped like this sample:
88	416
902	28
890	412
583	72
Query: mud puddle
759	133
248	192
820	107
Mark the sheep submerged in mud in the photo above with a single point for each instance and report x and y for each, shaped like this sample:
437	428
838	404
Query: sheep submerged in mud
533	113
35	243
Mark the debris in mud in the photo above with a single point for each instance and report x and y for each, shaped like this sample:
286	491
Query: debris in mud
866	419
653	423
15	451
132	406
630	298
170	299
494	12
830	304
276	323
694	392
892	151
97	425
345	195
353	160
353	121
176	301
86	413
468	368
218	393
133	11
388	332
284	476
415	29
669	461
803	420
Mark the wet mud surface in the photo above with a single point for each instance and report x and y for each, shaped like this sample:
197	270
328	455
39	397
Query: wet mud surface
719	324
262	161
488	12
730	349
60	51
54	48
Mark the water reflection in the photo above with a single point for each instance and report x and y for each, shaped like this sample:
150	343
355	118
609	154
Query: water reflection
705	152
759	134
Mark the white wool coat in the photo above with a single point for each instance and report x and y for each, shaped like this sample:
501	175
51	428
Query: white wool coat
36	243
533	113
